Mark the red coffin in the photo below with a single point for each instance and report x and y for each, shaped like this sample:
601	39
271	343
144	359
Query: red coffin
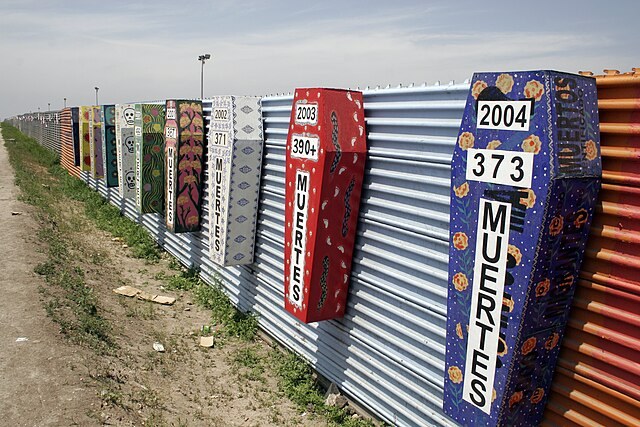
326	154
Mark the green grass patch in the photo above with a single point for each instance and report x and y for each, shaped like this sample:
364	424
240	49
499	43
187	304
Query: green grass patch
297	382
69	301
248	363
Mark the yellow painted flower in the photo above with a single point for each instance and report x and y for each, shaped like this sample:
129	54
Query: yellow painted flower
515	398
492	145
466	140
534	89
581	218
460	241
511	249
459	331
504	82
552	341
542	288
460	281
529	345
462	190
556	225
531	144
478	87
537	395
508	302
455	374
591	151
530	200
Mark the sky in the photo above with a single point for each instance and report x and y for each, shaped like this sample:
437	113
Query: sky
137	51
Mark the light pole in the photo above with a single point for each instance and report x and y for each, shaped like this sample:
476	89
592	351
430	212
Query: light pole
97	88
202	58
48	106
65	102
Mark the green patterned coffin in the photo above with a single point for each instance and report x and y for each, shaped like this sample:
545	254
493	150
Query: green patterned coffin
149	140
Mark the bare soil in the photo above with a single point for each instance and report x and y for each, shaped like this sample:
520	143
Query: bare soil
49	381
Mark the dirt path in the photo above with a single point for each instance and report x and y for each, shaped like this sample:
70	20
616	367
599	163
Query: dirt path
42	380
49	380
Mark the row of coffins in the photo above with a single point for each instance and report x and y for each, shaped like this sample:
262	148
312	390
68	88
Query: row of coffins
525	177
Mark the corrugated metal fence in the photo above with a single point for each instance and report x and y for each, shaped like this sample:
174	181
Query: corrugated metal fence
43	127
388	351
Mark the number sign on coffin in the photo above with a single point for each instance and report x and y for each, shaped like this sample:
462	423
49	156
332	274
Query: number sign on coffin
126	150
235	158
326	153
149	138
525	178
109	152
95	132
184	145
85	138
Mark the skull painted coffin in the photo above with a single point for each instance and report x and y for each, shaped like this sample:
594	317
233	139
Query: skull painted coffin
109	152
235	158
95	131
126	150
326	154
525	178
75	118
184	150
84	130
149	138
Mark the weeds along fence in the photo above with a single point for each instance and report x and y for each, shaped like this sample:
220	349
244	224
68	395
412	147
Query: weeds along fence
387	353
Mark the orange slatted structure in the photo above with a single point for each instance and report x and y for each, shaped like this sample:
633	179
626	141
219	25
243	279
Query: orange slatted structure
597	380
66	135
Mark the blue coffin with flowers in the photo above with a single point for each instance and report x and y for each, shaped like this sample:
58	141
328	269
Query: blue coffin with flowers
525	178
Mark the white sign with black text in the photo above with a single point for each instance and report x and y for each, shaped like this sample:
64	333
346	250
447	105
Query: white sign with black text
489	271
306	113
504	115
299	237
500	167
305	146
219	138
170	184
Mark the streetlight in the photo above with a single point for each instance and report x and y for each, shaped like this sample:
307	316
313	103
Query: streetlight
97	88
48	106
202	58
65	102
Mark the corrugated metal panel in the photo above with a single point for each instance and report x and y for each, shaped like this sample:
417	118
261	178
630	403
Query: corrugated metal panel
66	140
43	127
388	351
597	381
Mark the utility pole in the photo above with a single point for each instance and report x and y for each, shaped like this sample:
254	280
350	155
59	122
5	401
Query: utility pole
202	58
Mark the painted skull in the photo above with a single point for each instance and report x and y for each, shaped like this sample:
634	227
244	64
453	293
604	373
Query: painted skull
128	142
128	114
130	180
